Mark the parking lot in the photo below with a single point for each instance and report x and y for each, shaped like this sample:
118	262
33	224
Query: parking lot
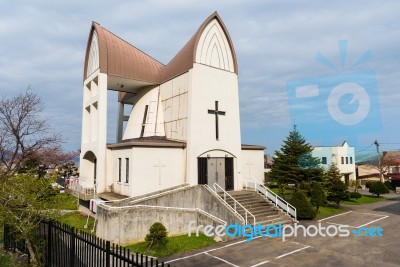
313	251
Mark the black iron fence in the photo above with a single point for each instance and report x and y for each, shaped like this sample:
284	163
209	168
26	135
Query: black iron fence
64	246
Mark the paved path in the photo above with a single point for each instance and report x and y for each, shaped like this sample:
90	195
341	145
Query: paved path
313	251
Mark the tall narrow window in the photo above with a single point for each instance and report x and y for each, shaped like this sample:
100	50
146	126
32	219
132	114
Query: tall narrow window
351	160
347	160
119	169
323	160
127	170
342	160
144	120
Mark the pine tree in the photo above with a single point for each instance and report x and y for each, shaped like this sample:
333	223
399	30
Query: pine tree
317	197
294	164
332	174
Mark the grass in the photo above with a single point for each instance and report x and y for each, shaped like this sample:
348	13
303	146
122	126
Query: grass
67	201
328	211
175	244
77	220
8	259
365	199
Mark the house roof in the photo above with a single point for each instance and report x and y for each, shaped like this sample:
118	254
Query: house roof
252	147
151	141
119	58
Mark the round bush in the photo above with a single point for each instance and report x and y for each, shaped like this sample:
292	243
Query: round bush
355	195
157	235
389	185
303	206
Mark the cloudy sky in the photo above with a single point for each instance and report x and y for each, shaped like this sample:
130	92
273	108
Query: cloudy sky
42	45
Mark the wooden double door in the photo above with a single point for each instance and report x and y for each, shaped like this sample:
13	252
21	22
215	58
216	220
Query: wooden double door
216	170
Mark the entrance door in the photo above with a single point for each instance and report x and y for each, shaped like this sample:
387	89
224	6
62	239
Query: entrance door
346	179
216	171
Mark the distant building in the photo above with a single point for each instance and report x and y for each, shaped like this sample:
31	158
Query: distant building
343	156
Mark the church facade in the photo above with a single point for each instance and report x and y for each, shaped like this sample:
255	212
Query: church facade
177	123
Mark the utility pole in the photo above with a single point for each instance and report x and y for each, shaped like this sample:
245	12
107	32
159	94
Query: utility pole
379	161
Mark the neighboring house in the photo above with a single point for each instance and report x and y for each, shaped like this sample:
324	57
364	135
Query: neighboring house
343	156
267	163
177	123
390	162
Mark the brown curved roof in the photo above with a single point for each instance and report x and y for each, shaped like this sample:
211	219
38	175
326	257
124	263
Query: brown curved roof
119	58
183	61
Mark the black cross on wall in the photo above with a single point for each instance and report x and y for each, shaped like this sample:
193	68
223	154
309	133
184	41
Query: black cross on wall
216	112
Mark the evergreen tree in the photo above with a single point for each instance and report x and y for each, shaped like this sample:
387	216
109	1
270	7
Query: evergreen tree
318	197
305	210
338	192
332	174
294	164
378	188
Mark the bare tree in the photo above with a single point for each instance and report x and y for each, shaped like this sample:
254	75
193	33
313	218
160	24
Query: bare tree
25	135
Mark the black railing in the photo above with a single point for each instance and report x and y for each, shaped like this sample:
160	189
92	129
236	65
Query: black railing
66	247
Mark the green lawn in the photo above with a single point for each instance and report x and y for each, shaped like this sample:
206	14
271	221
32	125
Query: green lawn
7	260
67	201
175	244
365	199
77	220
328	211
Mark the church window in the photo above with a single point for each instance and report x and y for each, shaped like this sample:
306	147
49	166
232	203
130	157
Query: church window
342	160
119	169
323	160
351	160
127	170
144	120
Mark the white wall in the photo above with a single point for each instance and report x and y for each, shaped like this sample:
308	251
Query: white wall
144	174
154	119
174	94
253	165
94	126
210	85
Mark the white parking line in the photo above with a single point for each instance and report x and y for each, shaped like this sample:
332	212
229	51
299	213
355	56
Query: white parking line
258	264
373	221
218	258
294	251
334	216
341	224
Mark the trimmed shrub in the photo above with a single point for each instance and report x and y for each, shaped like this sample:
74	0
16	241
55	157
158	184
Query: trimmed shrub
157	235
368	184
355	195
303	206
388	185
338	192
317	195
378	188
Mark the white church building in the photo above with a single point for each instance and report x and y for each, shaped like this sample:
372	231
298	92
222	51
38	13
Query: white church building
177	123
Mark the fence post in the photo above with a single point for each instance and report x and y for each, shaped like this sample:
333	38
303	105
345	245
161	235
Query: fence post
72	247
49	237
108	253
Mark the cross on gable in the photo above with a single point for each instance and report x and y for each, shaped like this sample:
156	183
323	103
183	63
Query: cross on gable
216	112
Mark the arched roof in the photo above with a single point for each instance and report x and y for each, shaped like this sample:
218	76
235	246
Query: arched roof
119	58
183	61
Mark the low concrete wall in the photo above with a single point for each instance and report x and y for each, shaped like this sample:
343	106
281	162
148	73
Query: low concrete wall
130	224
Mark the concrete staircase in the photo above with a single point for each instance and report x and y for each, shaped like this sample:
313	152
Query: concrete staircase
264	211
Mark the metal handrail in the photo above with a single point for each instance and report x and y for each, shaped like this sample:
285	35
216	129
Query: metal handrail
235	203
286	205
226	204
